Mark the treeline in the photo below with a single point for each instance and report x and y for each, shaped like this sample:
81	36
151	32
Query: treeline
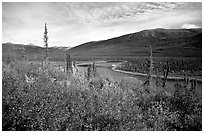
178	67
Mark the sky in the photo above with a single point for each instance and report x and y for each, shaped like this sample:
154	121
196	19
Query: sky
71	24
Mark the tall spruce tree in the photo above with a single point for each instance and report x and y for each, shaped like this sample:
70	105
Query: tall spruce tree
151	66
45	41
94	69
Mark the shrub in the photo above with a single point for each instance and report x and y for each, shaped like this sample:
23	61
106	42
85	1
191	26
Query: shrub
71	103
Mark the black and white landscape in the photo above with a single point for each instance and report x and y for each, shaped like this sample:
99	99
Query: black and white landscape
102	66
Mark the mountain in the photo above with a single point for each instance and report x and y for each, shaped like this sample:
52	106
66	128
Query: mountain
32	51
31	44
165	43
62	48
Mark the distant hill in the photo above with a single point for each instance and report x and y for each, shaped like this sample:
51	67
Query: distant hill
32	51
165	43
31	44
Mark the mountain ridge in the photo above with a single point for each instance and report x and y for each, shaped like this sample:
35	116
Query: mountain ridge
32	51
163	41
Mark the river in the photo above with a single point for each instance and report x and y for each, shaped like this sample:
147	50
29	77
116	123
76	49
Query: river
104	69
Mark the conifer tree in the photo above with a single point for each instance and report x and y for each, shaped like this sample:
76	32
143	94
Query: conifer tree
166	72
45	41
94	69
89	72
23	54
69	64
150	65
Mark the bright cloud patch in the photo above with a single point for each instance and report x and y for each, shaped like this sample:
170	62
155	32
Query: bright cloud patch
189	26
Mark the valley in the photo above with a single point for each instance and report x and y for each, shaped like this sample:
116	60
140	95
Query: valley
99	85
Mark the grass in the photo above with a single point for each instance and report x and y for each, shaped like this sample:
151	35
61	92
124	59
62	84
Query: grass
58	101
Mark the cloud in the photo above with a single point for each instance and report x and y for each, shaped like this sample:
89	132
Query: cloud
74	23
189	26
103	13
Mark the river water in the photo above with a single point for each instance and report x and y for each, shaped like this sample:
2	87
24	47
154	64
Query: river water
105	71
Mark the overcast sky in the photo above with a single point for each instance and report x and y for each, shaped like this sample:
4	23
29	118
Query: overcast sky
71	24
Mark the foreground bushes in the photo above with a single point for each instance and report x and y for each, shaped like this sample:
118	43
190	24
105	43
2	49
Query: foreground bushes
70	103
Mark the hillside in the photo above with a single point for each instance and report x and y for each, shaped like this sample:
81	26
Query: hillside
32	51
165	43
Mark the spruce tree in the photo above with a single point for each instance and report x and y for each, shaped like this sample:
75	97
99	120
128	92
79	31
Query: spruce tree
89	72
166	72
94	69
69	64
150	69
45	41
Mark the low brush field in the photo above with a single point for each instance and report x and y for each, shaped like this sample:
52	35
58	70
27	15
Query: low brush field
38	97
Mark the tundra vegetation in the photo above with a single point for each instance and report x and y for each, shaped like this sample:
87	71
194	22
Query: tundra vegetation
39	96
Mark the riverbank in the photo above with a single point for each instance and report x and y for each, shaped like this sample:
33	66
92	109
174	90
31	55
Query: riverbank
115	68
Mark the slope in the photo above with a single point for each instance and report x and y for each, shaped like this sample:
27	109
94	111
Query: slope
165	43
